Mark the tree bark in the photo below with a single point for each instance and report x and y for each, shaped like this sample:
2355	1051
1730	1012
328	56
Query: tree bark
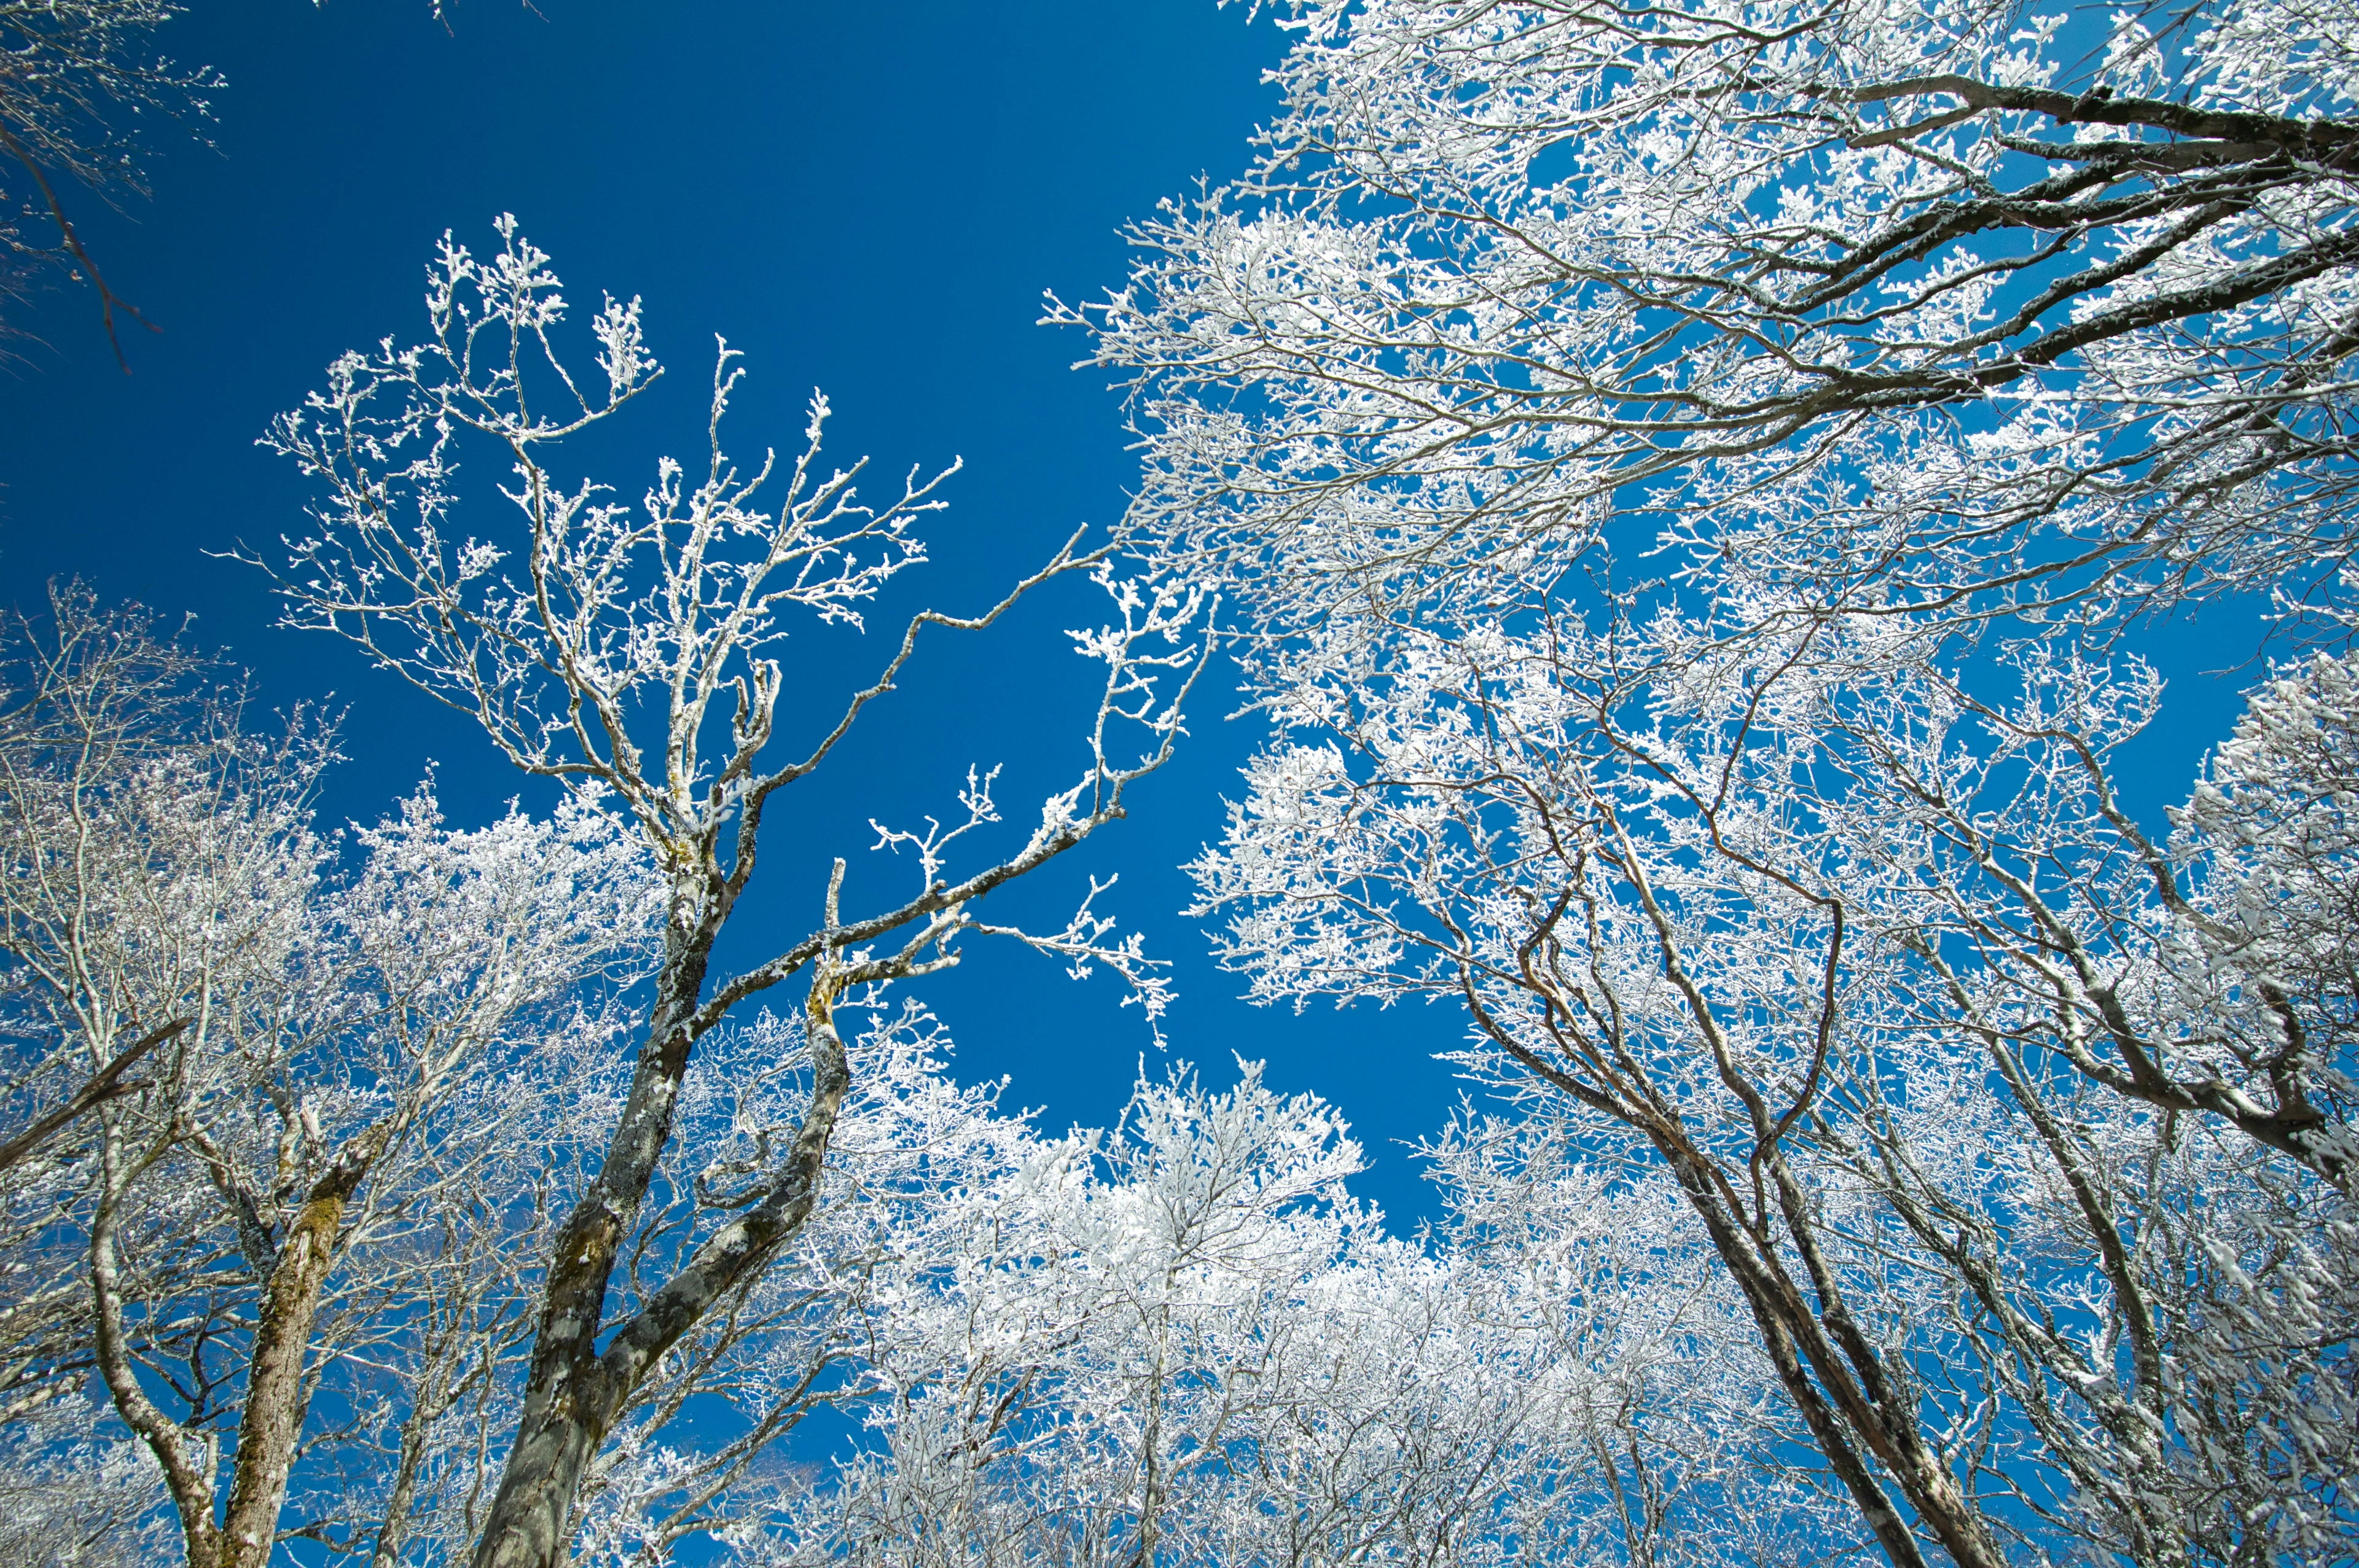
272	1418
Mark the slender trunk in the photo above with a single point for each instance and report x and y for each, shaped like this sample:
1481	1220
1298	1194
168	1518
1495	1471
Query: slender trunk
1879	1406
1799	1344
271	1417
394	1529
1850	1374
187	1475
1771	1315
434	1397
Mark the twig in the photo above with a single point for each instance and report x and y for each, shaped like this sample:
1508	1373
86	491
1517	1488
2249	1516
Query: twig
107	299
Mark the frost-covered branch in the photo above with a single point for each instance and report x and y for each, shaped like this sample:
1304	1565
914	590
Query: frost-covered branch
593	645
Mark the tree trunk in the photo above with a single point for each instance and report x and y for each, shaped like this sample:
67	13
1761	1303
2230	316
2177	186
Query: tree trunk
275	1402
527	1523
188	1479
1771	1312
575	1400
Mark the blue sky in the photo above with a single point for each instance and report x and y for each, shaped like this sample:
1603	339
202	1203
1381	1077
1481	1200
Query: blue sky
865	199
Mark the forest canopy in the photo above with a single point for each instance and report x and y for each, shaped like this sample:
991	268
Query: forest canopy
1696	502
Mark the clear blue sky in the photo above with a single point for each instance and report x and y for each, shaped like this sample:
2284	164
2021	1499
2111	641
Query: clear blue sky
865	199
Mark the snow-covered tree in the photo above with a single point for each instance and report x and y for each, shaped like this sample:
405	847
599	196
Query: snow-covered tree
633	651
76	77
297	1230
76	1492
263	1094
1699	476
1872	304
2031	1167
1184	1342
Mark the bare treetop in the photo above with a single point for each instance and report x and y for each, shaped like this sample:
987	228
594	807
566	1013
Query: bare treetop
591	641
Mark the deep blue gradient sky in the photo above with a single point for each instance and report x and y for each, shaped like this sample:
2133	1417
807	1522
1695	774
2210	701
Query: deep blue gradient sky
865	199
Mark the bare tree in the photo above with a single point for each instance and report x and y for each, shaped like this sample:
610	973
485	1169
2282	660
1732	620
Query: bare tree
68	71
224	1233
594	649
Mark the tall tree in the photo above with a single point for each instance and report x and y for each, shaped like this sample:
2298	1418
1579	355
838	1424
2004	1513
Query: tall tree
1979	1270
1699	476
593	649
